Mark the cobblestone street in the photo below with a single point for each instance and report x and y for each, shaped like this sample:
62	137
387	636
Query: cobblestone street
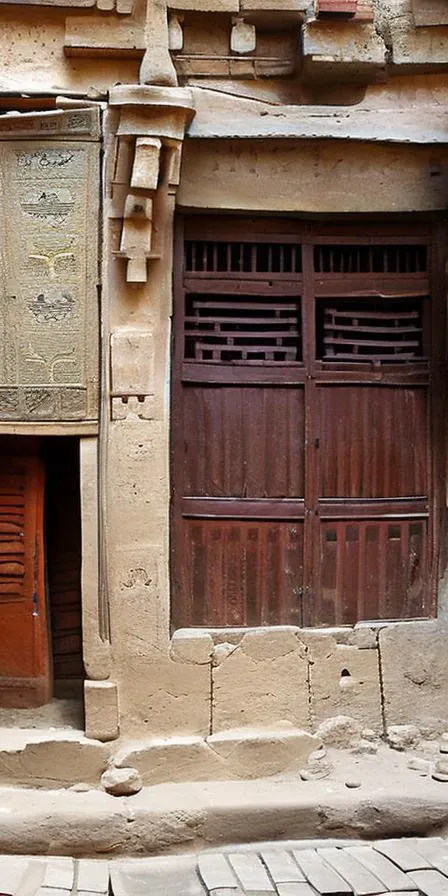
293	868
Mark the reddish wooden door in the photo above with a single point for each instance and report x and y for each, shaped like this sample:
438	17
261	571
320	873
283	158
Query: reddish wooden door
24	643
305	424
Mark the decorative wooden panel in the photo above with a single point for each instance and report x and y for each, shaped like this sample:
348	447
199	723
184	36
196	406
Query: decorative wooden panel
49	313
243	329
24	649
238	258
240	573
382	330
243	441
370	258
372	442
372	570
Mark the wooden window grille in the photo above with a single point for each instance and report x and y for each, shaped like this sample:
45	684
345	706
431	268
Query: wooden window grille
371	259
228	329
366	330
223	257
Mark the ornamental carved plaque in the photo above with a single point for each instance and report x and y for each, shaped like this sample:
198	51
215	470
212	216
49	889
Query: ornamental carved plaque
48	271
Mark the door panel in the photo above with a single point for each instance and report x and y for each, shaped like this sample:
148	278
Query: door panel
245	442
371	569
24	642
373	442
240	572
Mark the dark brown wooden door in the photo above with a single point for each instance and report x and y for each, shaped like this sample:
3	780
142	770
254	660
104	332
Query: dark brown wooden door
24	644
305	395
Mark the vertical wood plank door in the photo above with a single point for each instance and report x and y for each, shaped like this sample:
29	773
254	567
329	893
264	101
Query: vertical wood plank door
307	422
25	667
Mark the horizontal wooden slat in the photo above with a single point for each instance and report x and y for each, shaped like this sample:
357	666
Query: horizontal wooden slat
262	509
287	374
374	509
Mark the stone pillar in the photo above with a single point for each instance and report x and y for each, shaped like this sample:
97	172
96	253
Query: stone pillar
148	135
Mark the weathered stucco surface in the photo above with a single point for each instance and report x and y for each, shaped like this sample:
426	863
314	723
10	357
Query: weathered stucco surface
192	119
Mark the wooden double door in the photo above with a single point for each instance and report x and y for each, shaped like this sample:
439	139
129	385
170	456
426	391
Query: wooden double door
307	409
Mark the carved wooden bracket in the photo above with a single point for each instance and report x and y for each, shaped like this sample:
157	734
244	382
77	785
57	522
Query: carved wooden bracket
148	153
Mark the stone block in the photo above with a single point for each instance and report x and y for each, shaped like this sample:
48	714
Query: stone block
347	46
414	661
173	759
344	680
162	698
101	710
370	178
189	646
249	753
145	171
262	683
132	362
48	760
208	5
243	37
422	46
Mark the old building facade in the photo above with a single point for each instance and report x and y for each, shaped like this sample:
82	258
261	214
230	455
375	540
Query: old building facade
222	425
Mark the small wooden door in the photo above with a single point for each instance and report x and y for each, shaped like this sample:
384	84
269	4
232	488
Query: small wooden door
307	413
25	666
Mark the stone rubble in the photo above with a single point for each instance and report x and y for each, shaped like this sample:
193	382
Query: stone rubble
121	781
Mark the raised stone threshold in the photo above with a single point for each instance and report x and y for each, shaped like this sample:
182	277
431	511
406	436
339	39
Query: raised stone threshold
292	868
65	758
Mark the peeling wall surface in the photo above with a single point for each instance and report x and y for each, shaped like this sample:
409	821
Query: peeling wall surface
206	107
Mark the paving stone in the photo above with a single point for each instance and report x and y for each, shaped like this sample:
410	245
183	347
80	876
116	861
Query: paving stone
93	876
430	882
435	850
319	874
216	872
281	866
392	877
12	870
362	881
164	876
403	893
251	873
59	873
226	891
51	891
295	888
403	855
32	880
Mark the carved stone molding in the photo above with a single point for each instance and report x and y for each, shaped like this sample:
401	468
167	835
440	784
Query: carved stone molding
148	152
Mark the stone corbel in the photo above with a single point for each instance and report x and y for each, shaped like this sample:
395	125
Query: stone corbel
149	145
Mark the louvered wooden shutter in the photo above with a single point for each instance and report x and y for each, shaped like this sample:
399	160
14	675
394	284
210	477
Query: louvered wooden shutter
24	641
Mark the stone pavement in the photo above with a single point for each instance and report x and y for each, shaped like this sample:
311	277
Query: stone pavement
401	867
